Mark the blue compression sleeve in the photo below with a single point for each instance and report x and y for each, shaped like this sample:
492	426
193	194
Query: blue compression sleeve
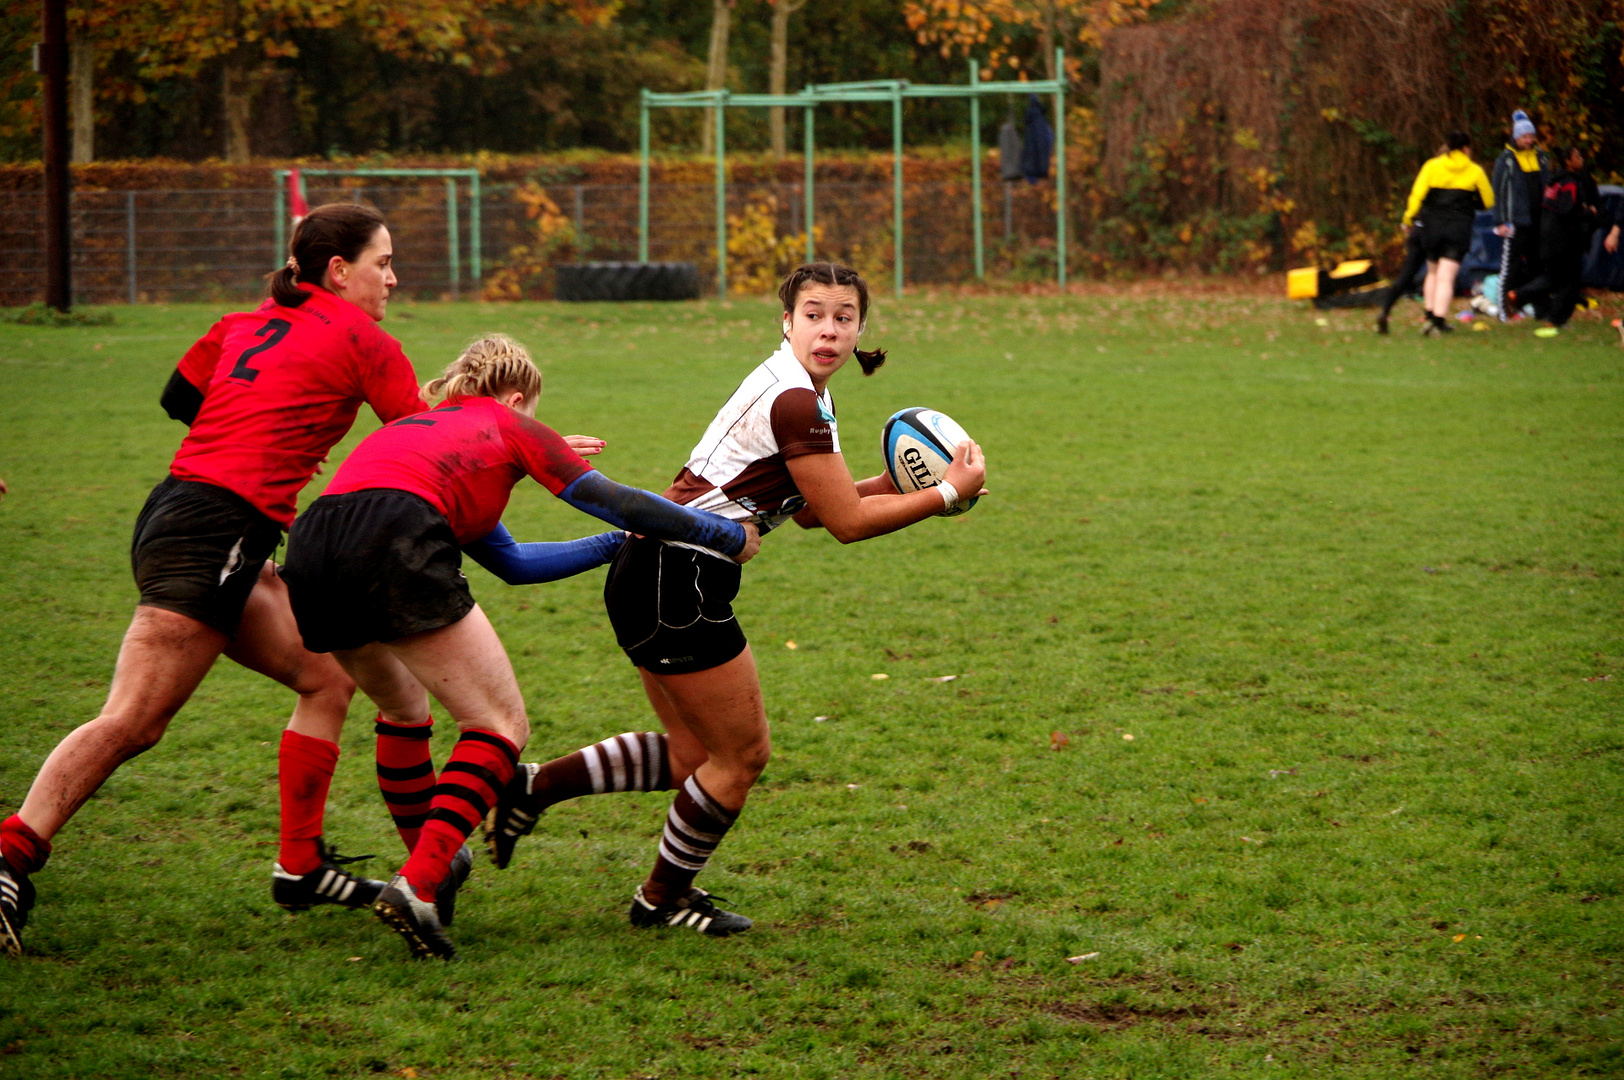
532	564
645	513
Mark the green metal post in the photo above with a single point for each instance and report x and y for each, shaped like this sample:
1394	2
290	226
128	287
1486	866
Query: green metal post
642	181
721	193
452	242
896	181
1060	167
279	206
811	245
476	263
975	168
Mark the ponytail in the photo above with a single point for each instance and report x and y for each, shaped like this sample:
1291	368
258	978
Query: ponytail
341	229
491	366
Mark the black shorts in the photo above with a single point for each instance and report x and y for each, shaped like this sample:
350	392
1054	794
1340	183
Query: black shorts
1445	240
198	550
672	607
373	565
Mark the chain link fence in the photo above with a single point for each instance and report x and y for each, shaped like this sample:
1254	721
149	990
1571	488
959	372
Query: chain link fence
217	245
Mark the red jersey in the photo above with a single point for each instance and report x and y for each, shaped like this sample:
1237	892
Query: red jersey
464	458
280	387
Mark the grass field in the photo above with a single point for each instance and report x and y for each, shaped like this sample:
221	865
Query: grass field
1288	666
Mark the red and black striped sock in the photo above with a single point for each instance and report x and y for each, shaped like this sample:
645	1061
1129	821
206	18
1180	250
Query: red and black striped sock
481	765
406	774
24	850
304	774
693	828
635	761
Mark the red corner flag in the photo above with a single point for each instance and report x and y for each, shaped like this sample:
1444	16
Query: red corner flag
296	199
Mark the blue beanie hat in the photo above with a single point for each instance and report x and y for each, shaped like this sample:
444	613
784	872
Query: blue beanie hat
1521	125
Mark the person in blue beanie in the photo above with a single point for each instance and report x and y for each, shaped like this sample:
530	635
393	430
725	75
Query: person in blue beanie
1520	175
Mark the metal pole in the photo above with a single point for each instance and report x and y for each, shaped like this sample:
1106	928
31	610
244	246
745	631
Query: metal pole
129	241
896	182
721	193
476	249
452	241
642	180
1060	167
279	210
975	168
53	65
811	244
580	212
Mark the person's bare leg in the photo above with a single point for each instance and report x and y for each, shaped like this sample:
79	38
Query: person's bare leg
1444	291
468	671
268	642
162	660
1429	287
722	710
684	751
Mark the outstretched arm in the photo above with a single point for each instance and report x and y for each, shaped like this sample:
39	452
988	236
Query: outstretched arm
853	511
646	514
535	563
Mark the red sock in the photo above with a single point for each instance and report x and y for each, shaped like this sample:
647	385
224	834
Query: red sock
406	775
22	847
304	773
481	765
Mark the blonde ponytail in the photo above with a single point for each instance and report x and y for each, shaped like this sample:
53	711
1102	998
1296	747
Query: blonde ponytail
491	366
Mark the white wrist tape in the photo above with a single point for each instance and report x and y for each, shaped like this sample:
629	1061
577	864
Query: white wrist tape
949	494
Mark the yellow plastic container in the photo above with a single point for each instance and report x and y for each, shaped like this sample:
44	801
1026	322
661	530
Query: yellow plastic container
1302	284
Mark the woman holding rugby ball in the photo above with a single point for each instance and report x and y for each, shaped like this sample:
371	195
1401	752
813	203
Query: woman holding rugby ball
771	453
374	576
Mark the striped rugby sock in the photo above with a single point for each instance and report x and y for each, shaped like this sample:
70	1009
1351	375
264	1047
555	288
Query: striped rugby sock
693	828
406	774
634	761
304	773
481	765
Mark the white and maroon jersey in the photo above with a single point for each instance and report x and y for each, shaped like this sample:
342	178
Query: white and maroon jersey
739	469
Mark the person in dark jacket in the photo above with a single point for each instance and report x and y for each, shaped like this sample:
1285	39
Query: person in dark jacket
1447	194
1039	142
1570	210
1520	175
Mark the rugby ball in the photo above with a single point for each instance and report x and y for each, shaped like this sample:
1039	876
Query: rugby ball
918	446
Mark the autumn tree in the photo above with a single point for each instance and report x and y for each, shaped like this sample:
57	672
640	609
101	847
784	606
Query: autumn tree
779	67
716	67
241	39
1002	30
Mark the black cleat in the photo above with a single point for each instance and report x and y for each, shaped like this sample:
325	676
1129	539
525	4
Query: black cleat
514	815
445	897
328	883
415	920
1381	325
697	910
16	900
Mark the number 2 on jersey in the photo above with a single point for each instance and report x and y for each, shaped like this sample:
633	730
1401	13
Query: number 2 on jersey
278	329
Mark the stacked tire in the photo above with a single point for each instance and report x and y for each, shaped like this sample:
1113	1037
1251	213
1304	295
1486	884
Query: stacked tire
627	281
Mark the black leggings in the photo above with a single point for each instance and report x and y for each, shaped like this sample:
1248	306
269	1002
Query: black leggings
1556	292
1410	277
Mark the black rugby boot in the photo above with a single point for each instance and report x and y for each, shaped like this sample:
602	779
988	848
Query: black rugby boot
514	815
445	897
328	883
697	911
16	901
416	920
